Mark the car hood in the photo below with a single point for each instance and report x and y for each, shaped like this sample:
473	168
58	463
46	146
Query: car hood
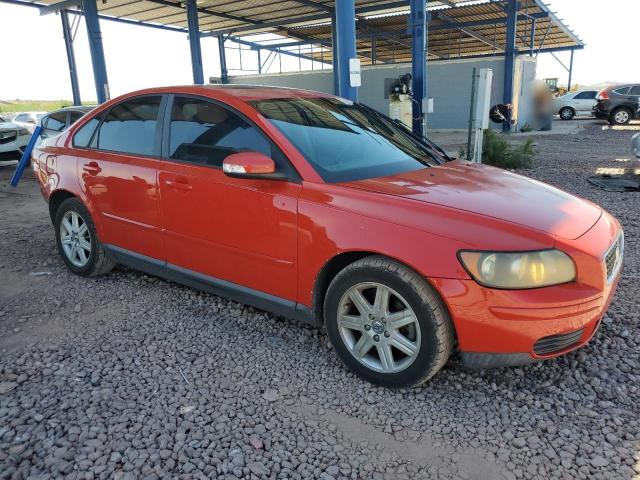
491	192
8	126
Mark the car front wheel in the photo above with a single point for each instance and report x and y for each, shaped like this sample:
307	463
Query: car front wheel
567	113
387	324
78	241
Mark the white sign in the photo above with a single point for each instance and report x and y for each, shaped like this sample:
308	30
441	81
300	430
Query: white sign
355	79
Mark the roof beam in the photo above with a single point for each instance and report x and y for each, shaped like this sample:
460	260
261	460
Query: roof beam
316	5
478	36
56	7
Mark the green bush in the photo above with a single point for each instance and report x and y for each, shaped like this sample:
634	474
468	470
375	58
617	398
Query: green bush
497	151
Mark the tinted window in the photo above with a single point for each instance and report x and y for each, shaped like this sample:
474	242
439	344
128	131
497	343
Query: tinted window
56	121
205	133
622	91
84	133
586	96
130	127
635	90
21	118
345	141
74	117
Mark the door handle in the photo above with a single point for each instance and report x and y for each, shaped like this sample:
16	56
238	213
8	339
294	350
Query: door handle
179	184
92	168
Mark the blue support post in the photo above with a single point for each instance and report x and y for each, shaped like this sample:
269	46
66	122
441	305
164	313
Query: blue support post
418	23
570	72
510	52
194	42
97	51
345	27
224	73
26	157
71	57
334	55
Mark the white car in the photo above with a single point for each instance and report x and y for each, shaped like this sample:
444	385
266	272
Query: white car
575	103
28	120
13	139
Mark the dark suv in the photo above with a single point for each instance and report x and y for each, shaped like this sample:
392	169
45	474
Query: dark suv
619	104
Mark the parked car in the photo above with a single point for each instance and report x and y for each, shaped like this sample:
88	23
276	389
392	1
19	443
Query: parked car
13	139
575	103
316	208
635	144
28	120
59	120
618	104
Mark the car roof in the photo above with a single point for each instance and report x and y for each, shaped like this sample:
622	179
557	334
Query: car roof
73	108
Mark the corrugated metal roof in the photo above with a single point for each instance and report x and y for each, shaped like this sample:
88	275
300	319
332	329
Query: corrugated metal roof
458	28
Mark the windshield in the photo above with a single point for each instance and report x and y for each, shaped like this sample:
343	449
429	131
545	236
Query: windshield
347	142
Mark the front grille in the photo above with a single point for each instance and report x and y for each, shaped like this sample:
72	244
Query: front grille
8	136
557	343
613	258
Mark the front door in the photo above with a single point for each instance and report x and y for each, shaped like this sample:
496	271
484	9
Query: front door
118	172
239	230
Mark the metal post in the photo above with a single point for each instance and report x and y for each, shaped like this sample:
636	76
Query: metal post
259	61
71	57
510	58
224	73
472	110
533	37
570	71
373	49
346	41
96	50
418	24
334	55
194	41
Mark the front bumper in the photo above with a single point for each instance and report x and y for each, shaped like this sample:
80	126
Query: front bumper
498	328
12	144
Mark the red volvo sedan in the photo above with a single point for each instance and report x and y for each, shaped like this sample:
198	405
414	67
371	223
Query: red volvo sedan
316	208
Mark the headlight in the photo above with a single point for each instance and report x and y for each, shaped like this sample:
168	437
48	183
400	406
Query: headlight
519	270
23	131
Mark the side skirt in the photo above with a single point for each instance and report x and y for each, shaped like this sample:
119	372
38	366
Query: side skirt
223	288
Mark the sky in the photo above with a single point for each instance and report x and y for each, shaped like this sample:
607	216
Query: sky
139	57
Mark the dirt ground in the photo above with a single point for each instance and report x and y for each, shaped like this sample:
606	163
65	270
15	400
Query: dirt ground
129	376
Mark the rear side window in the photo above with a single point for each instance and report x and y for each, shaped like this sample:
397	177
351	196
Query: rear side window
83	136
622	91
586	96
635	90
205	133
130	127
56	121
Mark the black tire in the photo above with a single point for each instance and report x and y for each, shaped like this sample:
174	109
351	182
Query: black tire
567	113
617	117
436	328
99	262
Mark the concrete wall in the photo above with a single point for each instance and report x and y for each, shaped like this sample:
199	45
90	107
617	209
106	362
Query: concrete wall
449	83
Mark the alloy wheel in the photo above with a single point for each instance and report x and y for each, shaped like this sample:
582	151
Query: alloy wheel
378	327
621	117
75	238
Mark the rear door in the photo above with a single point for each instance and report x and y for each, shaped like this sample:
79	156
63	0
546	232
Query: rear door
239	230
118	168
584	101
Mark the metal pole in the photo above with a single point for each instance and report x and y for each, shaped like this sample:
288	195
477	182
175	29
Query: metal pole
533	37
418	24
259	62
194	42
510	58
346	41
472	110
570	71
96	50
224	73
334	59
373	49
71	57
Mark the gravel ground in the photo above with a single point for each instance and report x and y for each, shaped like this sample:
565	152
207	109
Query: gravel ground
129	376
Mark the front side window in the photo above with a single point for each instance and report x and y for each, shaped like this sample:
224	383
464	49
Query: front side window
130	127
205	133
346	142
22	118
74	117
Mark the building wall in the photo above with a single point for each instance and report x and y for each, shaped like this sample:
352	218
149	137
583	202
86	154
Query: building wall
449	83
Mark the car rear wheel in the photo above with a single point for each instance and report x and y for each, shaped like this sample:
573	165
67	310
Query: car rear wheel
387	324
78	241
620	116
567	113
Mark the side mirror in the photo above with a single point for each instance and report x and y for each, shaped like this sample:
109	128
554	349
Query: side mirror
250	165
